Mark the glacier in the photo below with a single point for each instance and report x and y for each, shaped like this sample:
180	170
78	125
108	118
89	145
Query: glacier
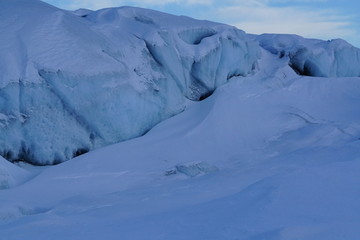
154	126
312	57
73	82
264	157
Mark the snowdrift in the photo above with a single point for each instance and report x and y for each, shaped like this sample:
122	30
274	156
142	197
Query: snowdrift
11	175
271	152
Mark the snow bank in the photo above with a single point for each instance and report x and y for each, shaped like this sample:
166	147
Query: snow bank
10	174
311	57
74	81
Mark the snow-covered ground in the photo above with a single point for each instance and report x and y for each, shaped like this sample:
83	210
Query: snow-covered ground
272	156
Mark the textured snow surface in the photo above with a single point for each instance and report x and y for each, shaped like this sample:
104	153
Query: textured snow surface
311	57
11	175
272	156
72	82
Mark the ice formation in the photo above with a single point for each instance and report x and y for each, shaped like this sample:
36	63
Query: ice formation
311	57
71	82
271	154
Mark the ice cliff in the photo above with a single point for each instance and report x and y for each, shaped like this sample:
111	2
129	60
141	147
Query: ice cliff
312	57
71	82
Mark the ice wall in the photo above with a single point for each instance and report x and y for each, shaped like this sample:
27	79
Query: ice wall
73	82
311	57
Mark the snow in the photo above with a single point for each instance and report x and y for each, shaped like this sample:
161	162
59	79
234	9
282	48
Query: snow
193	169
72	82
271	154
76	81
264	157
11	175
333	58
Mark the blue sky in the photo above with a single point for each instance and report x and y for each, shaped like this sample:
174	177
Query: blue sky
324	19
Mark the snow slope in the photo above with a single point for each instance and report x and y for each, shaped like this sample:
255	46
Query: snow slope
71	83
11	175
272	156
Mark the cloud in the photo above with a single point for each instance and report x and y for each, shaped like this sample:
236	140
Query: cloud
256	16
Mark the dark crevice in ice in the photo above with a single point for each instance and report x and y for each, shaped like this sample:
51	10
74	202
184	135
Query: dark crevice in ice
195	36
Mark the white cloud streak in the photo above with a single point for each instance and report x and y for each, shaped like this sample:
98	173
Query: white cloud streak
257	17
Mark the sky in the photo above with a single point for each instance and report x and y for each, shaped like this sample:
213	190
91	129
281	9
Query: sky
323	19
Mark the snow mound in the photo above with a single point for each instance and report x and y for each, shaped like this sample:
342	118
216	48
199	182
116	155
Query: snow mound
311	57
11	213
10	174
71	82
